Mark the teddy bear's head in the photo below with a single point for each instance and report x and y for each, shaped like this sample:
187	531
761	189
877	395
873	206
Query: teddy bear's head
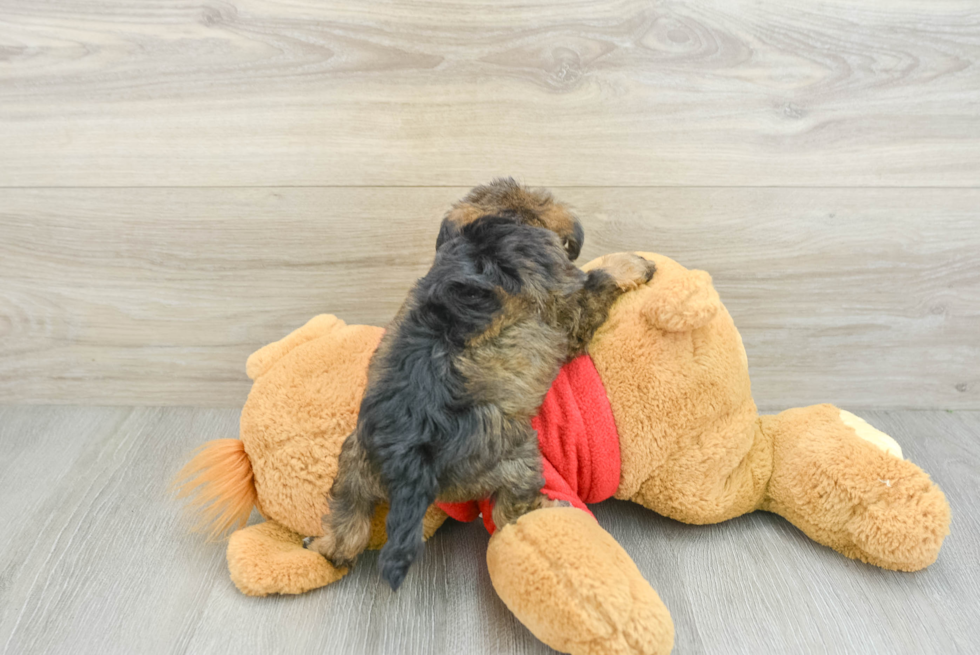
673	365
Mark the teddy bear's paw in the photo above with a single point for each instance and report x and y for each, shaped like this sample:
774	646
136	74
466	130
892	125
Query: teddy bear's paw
575	588
268	558
905	528
845	485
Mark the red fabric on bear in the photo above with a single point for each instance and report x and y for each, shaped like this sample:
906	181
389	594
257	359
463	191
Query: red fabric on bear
578	441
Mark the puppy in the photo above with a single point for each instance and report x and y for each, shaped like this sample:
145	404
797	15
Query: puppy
464	366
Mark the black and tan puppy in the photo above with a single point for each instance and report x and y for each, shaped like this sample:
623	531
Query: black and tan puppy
464	366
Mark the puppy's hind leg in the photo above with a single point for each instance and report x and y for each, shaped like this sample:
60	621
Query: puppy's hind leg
355	491
519	481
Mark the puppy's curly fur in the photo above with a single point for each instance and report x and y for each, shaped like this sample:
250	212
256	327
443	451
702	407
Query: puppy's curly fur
463	368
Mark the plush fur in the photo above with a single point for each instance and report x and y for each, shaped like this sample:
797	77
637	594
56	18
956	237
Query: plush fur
463	368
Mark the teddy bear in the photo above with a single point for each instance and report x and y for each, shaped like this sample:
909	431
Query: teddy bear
659	412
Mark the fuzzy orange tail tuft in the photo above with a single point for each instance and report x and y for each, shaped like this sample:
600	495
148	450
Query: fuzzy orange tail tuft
218	485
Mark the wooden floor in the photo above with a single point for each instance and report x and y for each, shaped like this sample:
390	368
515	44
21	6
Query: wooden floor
94	559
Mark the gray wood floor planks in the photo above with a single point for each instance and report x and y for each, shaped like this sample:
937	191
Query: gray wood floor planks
94	558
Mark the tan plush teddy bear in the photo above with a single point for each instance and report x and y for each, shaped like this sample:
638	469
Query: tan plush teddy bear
660	412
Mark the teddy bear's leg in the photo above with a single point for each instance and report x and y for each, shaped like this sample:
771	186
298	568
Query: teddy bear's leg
846	486
268	558
575	588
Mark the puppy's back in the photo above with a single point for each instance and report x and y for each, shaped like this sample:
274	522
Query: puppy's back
419	415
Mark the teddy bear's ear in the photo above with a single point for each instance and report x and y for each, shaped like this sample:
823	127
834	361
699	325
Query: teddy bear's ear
262	359
682	303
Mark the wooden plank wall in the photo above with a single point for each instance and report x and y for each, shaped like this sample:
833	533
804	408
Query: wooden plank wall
181	182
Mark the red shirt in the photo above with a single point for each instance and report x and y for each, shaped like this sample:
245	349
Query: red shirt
578	441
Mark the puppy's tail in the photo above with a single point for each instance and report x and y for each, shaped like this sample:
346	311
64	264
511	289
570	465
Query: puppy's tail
219	487
409	496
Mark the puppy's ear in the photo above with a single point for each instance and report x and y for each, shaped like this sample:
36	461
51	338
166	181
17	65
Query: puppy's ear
473	300
573	241
448	231
460	308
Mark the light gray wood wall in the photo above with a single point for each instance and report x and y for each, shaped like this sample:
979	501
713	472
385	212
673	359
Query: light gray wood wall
183	182
710	92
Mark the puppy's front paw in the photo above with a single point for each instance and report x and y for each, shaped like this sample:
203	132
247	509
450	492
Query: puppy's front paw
628	270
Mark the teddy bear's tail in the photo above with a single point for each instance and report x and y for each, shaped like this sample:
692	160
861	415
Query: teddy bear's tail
218	486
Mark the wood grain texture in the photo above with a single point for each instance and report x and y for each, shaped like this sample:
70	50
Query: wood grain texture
93	558
615	92
862	297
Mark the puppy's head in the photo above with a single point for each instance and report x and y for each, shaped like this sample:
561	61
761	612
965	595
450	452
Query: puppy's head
504	196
